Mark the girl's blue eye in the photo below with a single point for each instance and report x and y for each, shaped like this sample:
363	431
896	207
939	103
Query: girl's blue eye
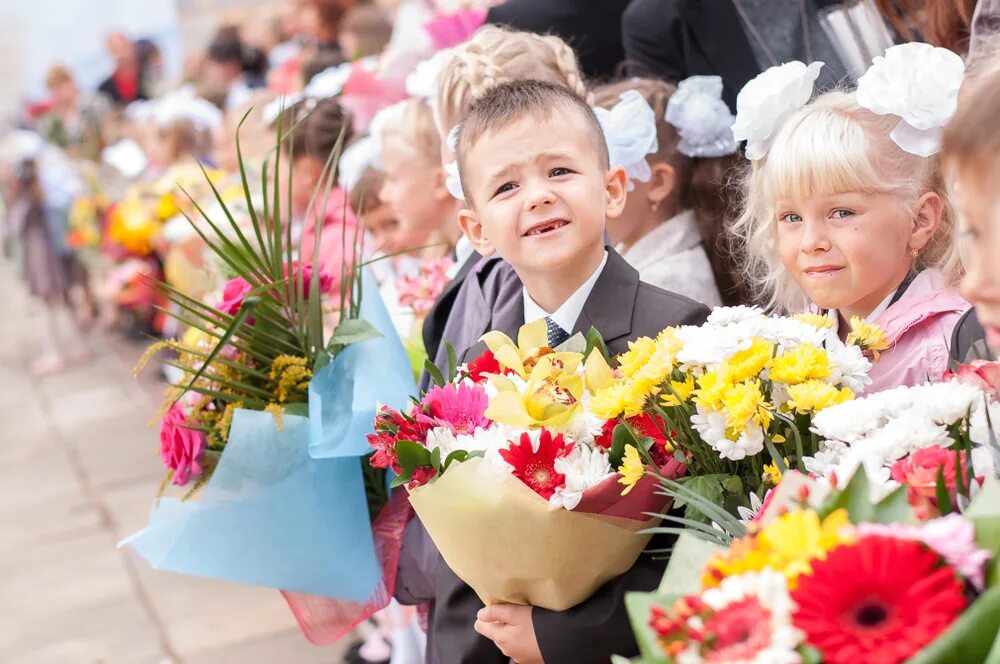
556	172
790	217
842	213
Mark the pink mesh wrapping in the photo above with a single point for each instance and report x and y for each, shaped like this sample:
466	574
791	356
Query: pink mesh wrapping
324	620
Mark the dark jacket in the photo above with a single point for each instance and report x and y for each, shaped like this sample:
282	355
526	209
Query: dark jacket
622	309
589	26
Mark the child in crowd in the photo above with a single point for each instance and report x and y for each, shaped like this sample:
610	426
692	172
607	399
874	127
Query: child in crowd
843	215
535	171
971	152
675	210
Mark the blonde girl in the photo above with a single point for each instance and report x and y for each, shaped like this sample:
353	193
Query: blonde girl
846	212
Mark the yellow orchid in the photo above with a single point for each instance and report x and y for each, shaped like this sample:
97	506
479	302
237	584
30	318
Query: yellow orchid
632	469
550	398
597	372
869	338
532	343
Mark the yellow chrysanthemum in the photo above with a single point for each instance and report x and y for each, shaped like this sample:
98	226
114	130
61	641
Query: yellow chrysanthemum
819	321
743	404
750	362
635	358
802	363
772	474
681	391
649	378
667	340
632	469
711	387
869	338
787	545
815	395
609	402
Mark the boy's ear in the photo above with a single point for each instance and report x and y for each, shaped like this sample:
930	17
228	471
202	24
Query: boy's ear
615	190
926	219
469	223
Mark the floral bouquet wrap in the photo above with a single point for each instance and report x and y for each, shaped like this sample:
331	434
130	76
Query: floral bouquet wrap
529	497
889	555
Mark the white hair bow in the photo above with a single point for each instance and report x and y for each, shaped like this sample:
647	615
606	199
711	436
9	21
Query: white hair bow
630	132
452	180
765	103
701	118
356	159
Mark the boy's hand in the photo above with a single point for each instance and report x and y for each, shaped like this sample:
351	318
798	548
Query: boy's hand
510	627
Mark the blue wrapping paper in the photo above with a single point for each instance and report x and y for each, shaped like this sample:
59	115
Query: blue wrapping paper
343	396
271	515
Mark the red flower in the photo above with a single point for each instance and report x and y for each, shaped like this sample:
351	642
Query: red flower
645	425
607	432
536	468
392	426
324	279
877	601
421	476
484	364
232	295
919	473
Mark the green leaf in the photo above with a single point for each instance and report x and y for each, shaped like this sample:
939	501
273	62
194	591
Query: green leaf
941	490
984	512
733	484
895	508
457	456
436	459
352	331
434	372
595	340
855	498
706	486
810	655
620	437
688	559
412	455
638	606
971	638
452	361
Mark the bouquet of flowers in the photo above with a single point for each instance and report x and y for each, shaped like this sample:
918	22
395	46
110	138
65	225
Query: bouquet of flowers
243	424
937	440
832	578
735	399
516	480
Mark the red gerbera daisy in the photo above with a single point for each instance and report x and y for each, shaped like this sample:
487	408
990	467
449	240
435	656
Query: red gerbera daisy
536	468
645	425
607	433
877	601
482	365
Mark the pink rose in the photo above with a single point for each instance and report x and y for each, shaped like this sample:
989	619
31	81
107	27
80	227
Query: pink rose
919	473
181	448
232	295
326	282
978	373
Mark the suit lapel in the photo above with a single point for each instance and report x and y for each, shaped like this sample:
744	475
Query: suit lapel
611	303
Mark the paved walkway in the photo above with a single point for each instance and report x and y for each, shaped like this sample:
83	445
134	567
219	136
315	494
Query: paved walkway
78	469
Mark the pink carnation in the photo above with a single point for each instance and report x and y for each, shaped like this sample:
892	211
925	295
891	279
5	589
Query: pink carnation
460	407
181	449
953	537
232	295
421	290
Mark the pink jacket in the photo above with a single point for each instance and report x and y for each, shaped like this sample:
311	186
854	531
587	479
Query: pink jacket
919	327
337	236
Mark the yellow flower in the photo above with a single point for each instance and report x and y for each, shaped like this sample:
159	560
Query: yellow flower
819	321
711	386
744	403
869	338
550	399
787	545
632	469
133	226
815	395
750	362
290	378
597	372
656	369
166	207
668	341
635	358
532	343
802	363
772	474
609	402
681	391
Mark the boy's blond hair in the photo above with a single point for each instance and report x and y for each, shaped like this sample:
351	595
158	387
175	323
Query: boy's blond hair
971	141
832	145
495	55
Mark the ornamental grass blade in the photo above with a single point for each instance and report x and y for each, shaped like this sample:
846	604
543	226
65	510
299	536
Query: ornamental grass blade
255	221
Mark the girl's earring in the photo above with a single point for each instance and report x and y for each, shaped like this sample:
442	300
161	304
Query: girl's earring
914	254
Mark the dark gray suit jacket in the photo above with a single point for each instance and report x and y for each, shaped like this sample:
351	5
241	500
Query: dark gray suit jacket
622	308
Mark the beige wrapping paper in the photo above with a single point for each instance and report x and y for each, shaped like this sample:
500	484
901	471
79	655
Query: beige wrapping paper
510	545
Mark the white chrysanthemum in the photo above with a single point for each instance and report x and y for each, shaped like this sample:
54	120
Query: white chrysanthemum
945	403
728	315
584	426
711	425
850	366
827	457
710	345
443	439
584	467
848	421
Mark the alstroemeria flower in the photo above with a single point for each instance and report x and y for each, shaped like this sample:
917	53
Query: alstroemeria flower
550	399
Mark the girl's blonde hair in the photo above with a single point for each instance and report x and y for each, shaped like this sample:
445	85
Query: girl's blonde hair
832	145
494	55
700	182
412	123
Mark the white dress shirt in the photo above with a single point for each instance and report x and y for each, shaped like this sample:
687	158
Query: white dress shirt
463	249
567	314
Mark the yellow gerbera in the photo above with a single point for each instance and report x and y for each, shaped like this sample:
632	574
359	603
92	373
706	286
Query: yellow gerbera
632	469
868	337
815	395
802	363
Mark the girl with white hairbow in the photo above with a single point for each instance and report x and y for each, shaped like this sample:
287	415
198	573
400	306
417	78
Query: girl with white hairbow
845	209
676	145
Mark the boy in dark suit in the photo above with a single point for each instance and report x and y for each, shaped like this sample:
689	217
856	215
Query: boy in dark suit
535	170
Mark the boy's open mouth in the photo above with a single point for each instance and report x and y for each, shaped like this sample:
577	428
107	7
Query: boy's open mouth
546	227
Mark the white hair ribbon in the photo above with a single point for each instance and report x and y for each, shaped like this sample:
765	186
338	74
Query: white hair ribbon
452	180
702	119
630	132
